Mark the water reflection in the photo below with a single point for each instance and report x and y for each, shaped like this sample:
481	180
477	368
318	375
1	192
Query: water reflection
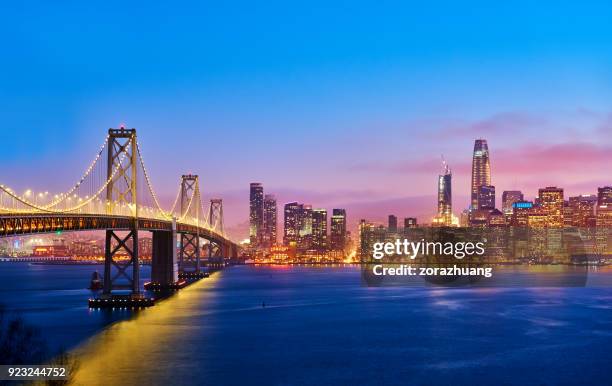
119	354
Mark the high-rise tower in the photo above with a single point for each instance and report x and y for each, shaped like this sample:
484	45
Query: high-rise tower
256	211
319	229
445	205
292	223
481	169
338	229
269	223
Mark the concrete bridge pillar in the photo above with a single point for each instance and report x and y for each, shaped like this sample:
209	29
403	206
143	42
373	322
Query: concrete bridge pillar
164	267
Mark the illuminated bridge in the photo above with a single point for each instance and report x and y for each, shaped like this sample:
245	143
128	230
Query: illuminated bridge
115	194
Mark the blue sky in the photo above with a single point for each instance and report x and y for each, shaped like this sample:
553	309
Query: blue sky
315	97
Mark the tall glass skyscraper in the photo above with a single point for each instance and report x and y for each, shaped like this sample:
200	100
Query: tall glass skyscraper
481	169
269	223
319	229
292	223
445	205
305	234
256	214
338	229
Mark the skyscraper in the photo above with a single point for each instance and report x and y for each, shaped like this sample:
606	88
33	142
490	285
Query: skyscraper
292	223
604	196
338	230
269	223
319	230
550	200
509	197
481	169
580	211
445	205
604	214
256	212
392	223
486	197
305	233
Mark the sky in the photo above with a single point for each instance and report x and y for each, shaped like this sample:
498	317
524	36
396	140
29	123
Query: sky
336	104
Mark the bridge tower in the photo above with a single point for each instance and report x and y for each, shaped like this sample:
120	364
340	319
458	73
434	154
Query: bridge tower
189	252
122	200
215	214
215	219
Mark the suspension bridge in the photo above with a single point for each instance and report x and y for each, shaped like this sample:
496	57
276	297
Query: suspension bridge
115	195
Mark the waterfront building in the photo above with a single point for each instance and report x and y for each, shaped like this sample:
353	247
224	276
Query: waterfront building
305	234
319	230
270	221
256	214
292	224
481	169
338	230
368	235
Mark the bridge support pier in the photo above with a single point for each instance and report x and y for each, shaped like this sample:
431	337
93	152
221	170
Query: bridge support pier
117	273
164	268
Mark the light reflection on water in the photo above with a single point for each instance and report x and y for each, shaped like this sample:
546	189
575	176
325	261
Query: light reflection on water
115	355
320	326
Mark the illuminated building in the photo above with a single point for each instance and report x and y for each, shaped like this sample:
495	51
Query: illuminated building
338	230
550	201
479	217
604	209
270	221
410	222
319	230
50	251
392	223
281	254
604	196
368	235
292	223
509	197
305	233
256	213
496	218
464	218
537	217
486	197
580	211
445	204
520	213
481	169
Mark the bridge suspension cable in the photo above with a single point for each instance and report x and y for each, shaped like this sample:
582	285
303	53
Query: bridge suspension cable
110	173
